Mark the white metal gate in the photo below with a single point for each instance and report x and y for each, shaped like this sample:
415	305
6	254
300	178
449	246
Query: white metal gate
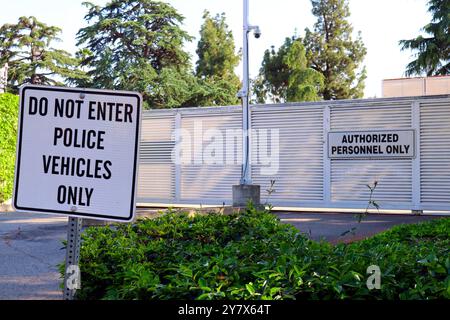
305	176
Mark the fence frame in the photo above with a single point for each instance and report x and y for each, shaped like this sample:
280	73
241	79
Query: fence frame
415	102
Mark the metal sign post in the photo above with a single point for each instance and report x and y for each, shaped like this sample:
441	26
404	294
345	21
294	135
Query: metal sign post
72	270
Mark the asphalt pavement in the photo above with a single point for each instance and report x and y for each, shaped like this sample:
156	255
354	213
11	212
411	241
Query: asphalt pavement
344	227
31	245
30	250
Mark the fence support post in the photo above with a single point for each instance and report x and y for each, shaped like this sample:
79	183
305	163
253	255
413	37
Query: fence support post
415	121
177	161
326	159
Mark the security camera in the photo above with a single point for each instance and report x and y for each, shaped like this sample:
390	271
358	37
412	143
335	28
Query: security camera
257	32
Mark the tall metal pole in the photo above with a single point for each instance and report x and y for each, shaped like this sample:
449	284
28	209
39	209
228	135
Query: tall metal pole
246	192
245	172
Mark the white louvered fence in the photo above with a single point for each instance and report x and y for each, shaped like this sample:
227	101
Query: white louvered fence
297	133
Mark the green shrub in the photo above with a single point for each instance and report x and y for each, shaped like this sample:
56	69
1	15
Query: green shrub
414	260
8	132
254	256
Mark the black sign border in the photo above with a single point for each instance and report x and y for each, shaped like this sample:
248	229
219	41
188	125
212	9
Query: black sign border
136	151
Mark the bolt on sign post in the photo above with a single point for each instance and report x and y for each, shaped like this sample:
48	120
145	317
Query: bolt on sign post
77	155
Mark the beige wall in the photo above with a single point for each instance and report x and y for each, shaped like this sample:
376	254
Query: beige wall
407	87
438	85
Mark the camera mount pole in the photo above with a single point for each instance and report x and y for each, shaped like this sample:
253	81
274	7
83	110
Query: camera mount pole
246	126
246	191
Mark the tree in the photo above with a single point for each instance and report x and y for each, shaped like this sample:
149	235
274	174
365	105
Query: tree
217	58
331	50
284	75
135	45
25	47
433	52
303	83
212	92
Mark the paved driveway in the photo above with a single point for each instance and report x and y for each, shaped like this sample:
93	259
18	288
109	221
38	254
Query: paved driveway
30	249
30	245
330	226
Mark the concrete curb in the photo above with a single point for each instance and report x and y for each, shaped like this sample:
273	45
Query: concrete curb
7	206
143	213
225	210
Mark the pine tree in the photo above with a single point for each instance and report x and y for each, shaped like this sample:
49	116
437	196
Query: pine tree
285	77
133	45
25	47
433	52
217	59
272	80
303	83
331	50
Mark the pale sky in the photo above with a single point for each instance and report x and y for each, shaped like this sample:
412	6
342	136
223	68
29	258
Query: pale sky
382	24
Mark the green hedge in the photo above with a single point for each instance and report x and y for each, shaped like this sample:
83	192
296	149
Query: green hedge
254	256
9	104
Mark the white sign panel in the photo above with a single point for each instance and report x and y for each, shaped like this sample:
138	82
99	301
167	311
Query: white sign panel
381	144
77	152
